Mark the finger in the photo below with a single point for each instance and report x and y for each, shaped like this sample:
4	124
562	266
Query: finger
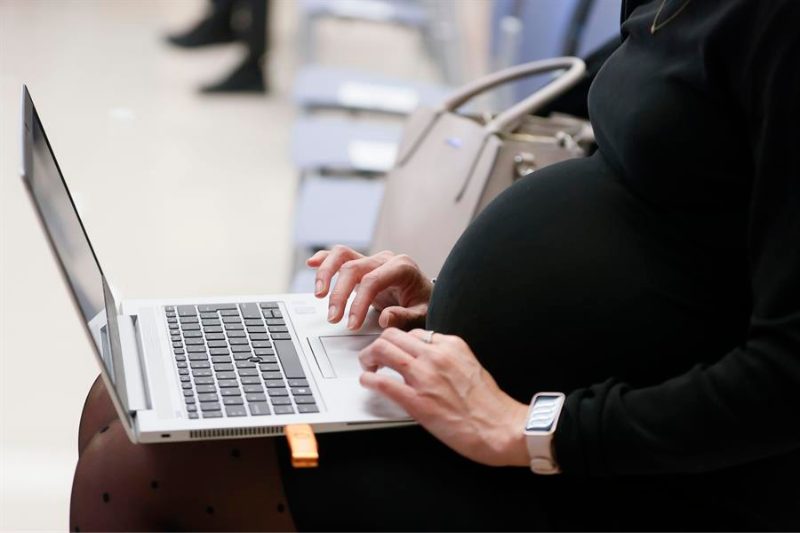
400	393
350	275
403	317
383	277
412	344
383	353
316	259
330	265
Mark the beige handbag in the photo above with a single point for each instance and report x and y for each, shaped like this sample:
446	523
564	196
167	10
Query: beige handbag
450	166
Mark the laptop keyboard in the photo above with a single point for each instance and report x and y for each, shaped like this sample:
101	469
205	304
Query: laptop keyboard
237	360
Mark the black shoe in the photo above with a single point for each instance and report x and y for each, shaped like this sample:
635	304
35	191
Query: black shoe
210	30
247	78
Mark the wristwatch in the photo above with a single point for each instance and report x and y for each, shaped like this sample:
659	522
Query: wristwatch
540	426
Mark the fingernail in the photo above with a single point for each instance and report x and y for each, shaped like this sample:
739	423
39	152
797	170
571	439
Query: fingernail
331	312
351	322
318	288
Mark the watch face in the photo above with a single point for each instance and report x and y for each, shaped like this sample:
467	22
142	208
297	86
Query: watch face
543	413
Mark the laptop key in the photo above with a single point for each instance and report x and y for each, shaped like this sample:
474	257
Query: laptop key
255	398
191	407
198	356
188	393
229	312
217	359
253	389
298	383
230	392
190	327
281	336
227	383
272	375
217	344
241	356
195	342
183	371
188	320
186	310
196	348
253	322
256	329
276	313
272	383
268	305
269	367
250	310
203	398
201	373
200	364
300	391
233	400
204	381
280	400
278	329
251	380
189	400
172	321
193	415
233	327
206	316
300	400
259	408
204	389
241	348
289	360
207	308
264	351
235	333
275	322
183	365
261	344
310	408
248	372
259	337
186	385
225	367
179	351
226	375
236	410
239	342
192	334
180	357
231	319
245	364
177	345
212	329
283	409
212	414
278	392
211	323
185	379
219	351
215	337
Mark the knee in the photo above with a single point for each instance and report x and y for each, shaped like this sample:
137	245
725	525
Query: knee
98	413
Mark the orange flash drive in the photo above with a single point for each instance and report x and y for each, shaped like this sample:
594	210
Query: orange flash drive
303	445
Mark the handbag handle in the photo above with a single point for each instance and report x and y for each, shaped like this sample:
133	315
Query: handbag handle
509	118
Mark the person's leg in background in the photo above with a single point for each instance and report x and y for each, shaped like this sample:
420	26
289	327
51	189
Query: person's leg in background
249	75
215	28
208	485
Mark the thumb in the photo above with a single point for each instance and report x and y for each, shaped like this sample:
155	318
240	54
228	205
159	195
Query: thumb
403	317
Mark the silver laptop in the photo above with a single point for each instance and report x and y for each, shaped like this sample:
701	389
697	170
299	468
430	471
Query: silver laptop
204	368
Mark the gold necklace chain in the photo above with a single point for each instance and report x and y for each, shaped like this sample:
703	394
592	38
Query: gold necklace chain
655	26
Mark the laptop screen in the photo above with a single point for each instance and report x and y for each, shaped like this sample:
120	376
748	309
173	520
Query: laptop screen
58	212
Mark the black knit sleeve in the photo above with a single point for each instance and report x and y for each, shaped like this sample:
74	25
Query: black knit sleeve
745	406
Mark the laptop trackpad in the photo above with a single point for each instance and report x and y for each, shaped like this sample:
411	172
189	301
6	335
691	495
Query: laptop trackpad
342	353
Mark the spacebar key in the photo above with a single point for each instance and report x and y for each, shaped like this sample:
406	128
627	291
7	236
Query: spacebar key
289	360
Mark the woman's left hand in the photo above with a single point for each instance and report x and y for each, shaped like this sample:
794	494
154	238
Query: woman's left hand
449	393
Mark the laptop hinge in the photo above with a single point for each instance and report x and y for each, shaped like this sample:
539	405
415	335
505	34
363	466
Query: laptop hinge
133	361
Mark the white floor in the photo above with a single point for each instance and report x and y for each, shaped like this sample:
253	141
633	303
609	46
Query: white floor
182	195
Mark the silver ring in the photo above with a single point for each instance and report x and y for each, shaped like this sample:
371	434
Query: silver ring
428	339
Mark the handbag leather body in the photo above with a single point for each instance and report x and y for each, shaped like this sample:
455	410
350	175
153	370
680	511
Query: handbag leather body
450	165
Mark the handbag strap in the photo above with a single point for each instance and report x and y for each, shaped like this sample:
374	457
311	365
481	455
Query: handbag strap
573	69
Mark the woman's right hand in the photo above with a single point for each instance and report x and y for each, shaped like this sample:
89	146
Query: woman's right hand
391	283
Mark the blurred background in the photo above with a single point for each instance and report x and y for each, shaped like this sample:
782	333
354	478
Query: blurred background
212	145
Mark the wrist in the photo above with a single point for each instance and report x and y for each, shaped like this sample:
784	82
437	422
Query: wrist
515	449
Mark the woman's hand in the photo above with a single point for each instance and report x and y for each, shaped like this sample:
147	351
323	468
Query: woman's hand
448	391
393	284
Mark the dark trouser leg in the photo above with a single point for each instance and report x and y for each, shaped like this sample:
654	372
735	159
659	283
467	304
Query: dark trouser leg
208	485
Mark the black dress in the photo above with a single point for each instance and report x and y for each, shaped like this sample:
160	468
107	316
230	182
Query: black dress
657	282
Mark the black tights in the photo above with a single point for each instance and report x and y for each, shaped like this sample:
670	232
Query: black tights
209	485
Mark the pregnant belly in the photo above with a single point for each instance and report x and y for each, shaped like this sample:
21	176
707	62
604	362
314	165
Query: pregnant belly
566	279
